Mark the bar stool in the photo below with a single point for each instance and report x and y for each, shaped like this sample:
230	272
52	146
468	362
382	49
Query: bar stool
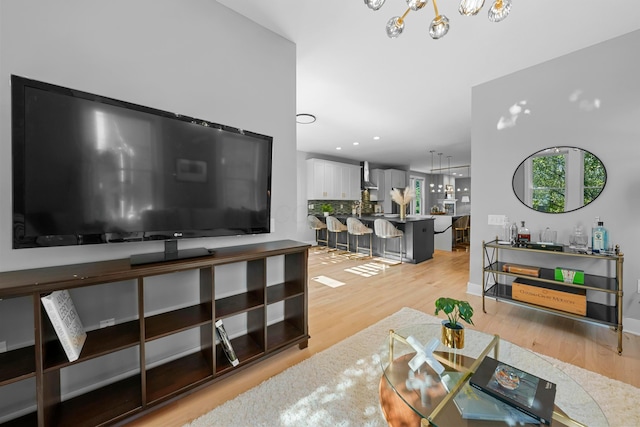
356	228
317	225
335	226
386	230
461	227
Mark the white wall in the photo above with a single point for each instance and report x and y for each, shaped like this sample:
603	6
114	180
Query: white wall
193	57
608	72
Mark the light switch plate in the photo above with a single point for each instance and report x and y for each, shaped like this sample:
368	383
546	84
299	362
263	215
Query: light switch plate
3	346
497	219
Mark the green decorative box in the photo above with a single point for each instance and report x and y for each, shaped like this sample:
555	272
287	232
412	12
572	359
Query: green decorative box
569	275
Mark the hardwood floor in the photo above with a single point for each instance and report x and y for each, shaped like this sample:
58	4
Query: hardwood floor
336	313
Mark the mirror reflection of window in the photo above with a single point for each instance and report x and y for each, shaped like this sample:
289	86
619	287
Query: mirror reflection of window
549	182
417	183
595	177
559	179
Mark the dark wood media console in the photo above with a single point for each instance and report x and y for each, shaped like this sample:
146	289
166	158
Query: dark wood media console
274	312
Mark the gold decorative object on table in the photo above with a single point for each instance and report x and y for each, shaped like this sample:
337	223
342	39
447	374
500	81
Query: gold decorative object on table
453	338
403	198
452	329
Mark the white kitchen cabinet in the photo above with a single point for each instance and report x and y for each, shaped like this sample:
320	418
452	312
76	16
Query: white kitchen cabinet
327	180
395	178
351	182
377	177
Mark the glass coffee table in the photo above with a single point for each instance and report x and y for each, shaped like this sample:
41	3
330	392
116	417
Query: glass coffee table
424	398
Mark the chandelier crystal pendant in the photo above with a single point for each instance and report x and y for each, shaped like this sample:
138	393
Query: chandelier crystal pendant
499	10
394	27
439	27
470	7
416	4
374	4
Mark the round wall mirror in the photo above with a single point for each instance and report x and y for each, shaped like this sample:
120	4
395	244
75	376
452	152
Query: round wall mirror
559	179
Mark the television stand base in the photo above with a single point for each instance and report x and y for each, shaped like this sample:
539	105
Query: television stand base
168	256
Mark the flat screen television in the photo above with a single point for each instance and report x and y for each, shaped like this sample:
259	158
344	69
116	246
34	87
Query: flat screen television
88	169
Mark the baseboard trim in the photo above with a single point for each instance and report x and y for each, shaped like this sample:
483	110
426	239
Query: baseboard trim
474	289
631	325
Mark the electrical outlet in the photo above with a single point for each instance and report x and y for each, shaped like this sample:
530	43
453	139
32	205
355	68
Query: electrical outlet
497	219
3	346
107	322
311	206
341	206
639	286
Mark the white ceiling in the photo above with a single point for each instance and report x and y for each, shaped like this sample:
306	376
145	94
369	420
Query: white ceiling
415	92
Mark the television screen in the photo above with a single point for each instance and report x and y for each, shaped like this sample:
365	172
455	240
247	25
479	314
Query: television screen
90	169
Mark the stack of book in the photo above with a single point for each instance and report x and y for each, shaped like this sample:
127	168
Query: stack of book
500	392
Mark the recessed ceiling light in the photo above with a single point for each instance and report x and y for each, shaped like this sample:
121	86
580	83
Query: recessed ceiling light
338	148
356	143
305	118
376	138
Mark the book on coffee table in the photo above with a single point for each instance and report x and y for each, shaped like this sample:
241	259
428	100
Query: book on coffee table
474	404
529	394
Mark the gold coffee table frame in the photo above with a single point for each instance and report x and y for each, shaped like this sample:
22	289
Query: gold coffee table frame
467	365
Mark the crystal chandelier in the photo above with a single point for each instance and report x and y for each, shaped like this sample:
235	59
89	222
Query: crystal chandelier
440	24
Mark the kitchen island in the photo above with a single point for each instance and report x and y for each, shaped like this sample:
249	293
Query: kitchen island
417	244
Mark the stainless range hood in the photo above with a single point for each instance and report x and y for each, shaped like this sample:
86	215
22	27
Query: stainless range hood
366	181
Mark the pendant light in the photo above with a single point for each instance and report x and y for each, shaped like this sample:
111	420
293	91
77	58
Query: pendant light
439	26
440	169
431	184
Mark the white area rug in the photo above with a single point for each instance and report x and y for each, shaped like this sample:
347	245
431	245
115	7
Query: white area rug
339	387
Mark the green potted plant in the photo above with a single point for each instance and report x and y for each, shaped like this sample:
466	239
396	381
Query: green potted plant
452	328
327	209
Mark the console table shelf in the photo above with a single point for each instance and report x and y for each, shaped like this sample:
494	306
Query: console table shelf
598	287
167	351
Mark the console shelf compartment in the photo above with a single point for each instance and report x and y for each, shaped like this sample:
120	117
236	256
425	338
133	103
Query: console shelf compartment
99	407
177	376
282	333
161	325
24	421
282	292
240	303
99	342
17	365
163	343
602	279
